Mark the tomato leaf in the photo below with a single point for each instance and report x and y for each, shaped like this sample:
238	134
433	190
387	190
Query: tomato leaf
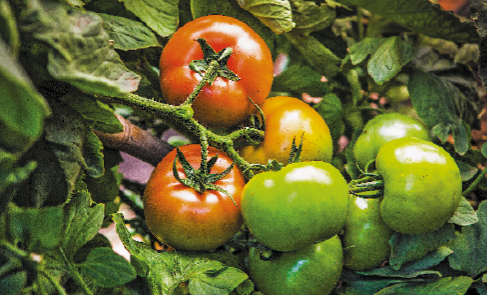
421	17
365	285
99	115
162	16
368	46
330	108
128	34
458	285
167	270
465	214
310	17
39	228
231	8
11	177
80	52
23	108
275	14
415	268
317	55
8	27
406	248
467	171
440	105
300	79
389	58
469	255
82	221
106	268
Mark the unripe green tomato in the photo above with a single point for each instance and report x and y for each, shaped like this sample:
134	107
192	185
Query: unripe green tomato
299	205
314	269
384	128
422	185
366	238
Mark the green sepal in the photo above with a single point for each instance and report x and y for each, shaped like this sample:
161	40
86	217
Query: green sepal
210	55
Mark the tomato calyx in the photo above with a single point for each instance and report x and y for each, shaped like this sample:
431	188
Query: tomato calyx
201	180
213	64
368	185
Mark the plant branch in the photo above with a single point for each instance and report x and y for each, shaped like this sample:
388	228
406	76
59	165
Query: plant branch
75	274
474	184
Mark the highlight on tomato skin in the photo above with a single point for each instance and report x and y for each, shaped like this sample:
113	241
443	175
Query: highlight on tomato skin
185	219
224	103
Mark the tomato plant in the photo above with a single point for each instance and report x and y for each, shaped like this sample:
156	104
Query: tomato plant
313	269
384	128
287	119
422	185
186	219
224	102
366	236
301	204
85	101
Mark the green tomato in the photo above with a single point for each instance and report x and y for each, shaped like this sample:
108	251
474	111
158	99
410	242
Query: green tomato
314	269
422	185
302	204
384	128
366	238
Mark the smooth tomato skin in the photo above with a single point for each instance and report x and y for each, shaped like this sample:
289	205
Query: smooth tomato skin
225	103
313	269
288	118
366	236
384	128
302	204
422	185
185	219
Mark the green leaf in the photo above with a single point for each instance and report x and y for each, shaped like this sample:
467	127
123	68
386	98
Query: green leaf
389	58
467	171
455	286
80	52
468	248
368	46
483	149
93	155
300	79
310	17
167	270
440	105
162	16
23	109
13	283
8	27
231	8
366	285
319	57
106	268
103	189
407	248
12	178
465	214
99	115
128	34
82	221
275	14
421	17
330	108
415	268
39	228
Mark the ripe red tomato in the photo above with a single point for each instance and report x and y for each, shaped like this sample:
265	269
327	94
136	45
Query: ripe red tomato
225	103
185	219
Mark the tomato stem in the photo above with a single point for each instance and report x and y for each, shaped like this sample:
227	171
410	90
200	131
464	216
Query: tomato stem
474	184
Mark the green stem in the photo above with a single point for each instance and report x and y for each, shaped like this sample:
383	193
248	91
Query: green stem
360	24
474	184
366	186
75	274
208	74
183	116
56	284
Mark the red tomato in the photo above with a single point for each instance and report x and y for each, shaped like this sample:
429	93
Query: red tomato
185	219
225	103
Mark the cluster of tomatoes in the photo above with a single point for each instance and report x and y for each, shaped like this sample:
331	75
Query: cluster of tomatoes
303	212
